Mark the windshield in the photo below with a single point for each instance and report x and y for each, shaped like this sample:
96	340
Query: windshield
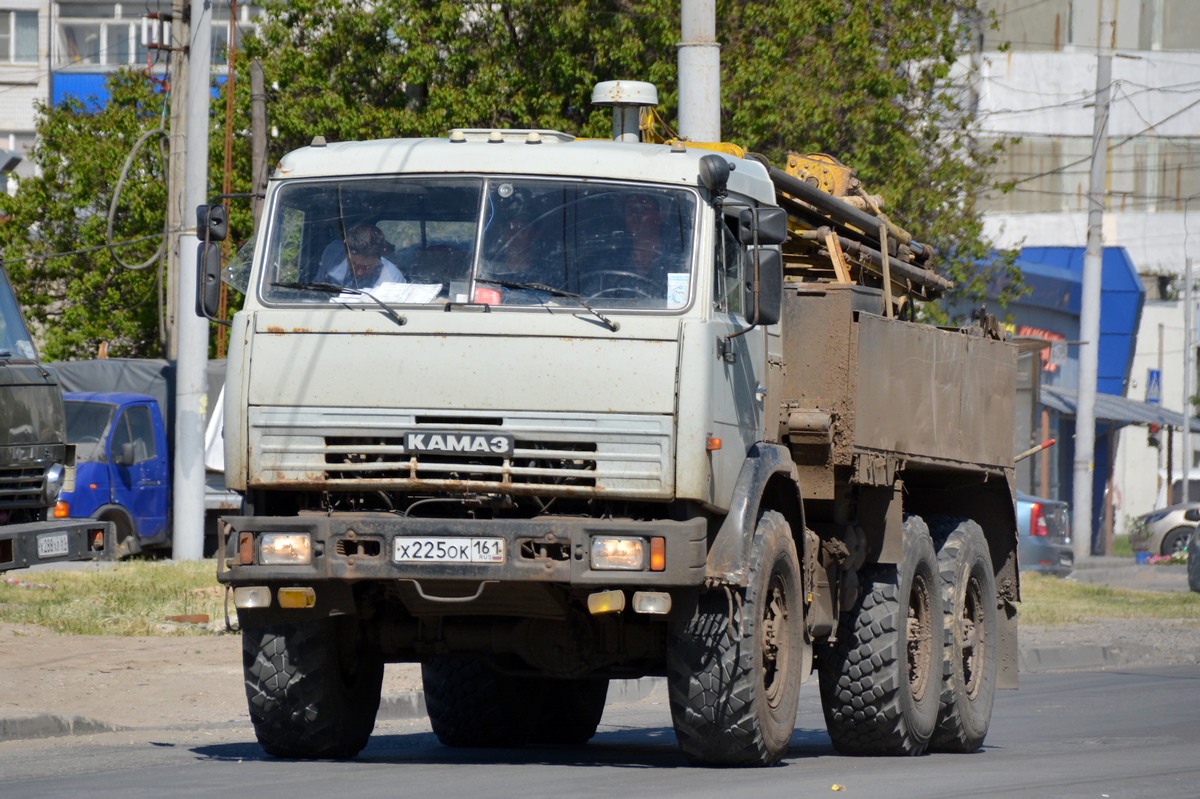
14	338
495	241
86	426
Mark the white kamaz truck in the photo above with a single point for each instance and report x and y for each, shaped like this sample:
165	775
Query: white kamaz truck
539	412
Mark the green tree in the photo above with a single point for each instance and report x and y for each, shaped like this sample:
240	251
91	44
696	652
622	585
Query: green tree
73	289
868	81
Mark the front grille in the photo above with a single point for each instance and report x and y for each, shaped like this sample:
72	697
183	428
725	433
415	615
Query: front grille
21	487
572	455
533	463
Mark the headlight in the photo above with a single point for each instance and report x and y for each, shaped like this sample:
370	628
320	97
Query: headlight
285	549
55	477
628	554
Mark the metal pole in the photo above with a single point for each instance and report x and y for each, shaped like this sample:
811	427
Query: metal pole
176	181
188	506
1189	344
1089	314
258	137
699	72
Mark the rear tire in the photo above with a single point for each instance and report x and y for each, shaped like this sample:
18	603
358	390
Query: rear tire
470	704
313	687
881	682
734	700
969	662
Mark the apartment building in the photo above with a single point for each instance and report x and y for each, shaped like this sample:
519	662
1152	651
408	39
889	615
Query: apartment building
1034	83
53	50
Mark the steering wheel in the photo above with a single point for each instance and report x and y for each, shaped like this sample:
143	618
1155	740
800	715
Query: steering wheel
637	285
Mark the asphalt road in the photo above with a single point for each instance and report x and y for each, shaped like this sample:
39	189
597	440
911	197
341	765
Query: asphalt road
1128	733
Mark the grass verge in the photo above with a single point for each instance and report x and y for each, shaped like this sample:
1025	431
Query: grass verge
128	598
140	597
1052	600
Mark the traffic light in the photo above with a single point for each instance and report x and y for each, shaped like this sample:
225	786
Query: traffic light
1152	435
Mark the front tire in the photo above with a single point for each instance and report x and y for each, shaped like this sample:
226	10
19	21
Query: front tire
1175	541
733	675
313	687
969	662
880	684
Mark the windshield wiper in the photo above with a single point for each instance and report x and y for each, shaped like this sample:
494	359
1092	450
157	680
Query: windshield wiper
506	284
333	288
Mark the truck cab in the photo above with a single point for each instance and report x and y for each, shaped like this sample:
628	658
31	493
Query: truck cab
36	462
122	465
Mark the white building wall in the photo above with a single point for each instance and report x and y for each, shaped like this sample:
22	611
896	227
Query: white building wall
1137	467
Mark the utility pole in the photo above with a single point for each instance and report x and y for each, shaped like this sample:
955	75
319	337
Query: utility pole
258	137
1189	344
190	394
1089	314
699	72
176	168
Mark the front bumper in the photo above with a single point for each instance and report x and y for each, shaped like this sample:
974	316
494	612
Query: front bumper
358	547
38	543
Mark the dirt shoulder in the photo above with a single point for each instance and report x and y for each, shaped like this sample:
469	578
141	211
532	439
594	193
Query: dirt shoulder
159	681
187	681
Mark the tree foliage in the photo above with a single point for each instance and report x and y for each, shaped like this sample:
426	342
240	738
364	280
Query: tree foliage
869	81
73	290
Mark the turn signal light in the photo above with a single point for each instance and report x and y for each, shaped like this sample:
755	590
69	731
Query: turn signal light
297	597
658	554
62	509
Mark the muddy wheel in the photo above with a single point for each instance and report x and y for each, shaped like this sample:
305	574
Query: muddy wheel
969	662
313	687
471	704
733	666
568	711
881	682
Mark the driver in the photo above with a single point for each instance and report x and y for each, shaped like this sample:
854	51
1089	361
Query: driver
364	266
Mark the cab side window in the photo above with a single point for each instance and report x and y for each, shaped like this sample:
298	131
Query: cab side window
135	427
730	263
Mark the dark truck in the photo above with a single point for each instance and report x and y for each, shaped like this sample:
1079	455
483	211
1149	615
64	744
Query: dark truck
36	462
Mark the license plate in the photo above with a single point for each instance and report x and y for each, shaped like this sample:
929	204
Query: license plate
448	550
50	545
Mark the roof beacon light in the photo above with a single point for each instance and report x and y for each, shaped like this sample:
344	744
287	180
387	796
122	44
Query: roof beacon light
627	98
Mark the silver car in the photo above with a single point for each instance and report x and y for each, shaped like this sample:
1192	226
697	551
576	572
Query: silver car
1166	530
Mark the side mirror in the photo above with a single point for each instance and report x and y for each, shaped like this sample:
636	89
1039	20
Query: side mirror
764	287
761	226
212	222
208	280
125	456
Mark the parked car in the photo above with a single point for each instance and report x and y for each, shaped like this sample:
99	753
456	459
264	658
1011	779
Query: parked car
1166	530
1194	561
1044	535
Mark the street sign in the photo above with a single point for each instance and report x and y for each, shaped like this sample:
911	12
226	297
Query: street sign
1153	386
